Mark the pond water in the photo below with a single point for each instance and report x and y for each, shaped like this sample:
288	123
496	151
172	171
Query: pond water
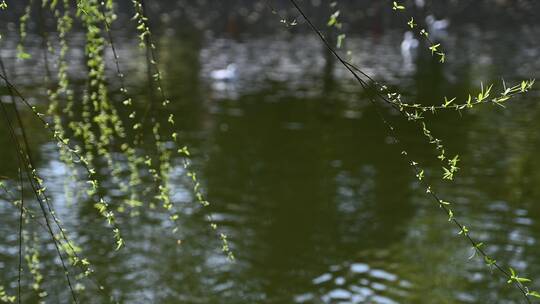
319	206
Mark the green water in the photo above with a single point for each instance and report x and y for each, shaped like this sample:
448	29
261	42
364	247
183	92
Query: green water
318	204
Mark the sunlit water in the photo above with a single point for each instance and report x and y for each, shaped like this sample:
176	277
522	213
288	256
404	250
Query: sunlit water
318	205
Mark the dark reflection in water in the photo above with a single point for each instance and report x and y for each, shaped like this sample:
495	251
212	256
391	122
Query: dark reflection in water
318	205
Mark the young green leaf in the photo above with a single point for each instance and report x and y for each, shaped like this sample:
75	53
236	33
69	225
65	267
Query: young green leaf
397	6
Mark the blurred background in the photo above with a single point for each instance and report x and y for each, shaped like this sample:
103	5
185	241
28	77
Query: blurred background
318	204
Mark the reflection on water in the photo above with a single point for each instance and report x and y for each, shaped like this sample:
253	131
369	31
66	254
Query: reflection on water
318	204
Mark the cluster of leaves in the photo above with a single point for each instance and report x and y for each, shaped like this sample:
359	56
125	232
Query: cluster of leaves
96	130
4	297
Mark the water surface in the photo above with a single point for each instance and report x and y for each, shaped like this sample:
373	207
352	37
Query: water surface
318	204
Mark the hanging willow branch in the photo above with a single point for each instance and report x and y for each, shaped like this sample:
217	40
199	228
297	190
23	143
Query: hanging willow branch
146	41
37	188
511	276
27	164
